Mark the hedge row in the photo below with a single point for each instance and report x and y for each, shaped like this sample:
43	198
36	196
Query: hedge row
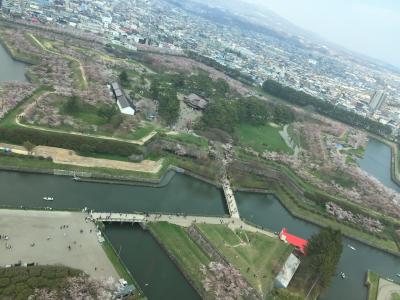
78	143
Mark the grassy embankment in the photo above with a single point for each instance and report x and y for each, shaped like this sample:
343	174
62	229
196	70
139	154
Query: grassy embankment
259	258
20	282
188	256
314	213
262	138
372	282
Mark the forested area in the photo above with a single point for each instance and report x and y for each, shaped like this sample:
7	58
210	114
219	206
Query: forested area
227	114
325	108
318	267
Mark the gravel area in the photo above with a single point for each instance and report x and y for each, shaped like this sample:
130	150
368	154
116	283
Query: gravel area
51	237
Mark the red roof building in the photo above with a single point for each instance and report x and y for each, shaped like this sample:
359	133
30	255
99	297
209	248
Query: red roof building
296	241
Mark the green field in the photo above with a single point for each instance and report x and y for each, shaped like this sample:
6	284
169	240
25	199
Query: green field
258	257
189	139
262	138
372	283
395	296
188	255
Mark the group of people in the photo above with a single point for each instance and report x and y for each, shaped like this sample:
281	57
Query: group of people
5	237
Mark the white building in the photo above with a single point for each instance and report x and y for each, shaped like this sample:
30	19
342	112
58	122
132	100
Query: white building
125	107
287	272
123	104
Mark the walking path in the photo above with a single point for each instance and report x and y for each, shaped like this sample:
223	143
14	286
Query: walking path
81	69
140	142
230	198
181	220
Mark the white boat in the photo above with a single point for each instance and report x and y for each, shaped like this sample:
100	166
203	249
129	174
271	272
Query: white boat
342	275
390	279
351	247
76	178
398	274
48	198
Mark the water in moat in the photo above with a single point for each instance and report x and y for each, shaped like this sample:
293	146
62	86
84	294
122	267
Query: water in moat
377	162
9	68
186	195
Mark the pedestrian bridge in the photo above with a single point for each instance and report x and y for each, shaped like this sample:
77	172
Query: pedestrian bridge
181	220
177	219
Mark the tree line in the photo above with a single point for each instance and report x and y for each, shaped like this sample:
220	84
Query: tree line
228	114
318	267
325	108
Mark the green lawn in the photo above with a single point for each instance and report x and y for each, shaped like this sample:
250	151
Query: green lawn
262	138
395	296
9	119
140	132
188	255
189	139
259	258
343	179
77	75
372	283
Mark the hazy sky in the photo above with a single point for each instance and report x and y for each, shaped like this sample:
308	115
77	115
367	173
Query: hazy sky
370	27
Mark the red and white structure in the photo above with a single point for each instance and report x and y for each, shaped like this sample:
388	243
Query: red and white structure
291	239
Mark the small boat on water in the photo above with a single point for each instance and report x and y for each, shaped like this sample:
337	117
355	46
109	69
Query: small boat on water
398	274
342	275
351	247
48	198
390	279
76	178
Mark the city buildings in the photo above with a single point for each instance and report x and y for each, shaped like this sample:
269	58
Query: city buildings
331	74
377	100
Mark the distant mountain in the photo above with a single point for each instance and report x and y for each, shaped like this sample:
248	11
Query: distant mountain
219	14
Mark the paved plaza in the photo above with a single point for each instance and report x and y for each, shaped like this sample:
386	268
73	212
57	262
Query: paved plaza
387	290
49	238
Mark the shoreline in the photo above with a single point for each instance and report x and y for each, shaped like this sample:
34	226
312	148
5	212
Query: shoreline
158	183
394	162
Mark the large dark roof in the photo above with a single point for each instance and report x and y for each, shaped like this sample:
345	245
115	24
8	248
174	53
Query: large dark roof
123	102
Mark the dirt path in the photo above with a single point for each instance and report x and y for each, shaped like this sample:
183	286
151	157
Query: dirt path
82	70
140	142
69	157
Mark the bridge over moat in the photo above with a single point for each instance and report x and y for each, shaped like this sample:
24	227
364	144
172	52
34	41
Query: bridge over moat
181	220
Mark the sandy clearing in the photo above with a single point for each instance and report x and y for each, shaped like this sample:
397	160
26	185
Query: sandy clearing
26	227
386	289
69	157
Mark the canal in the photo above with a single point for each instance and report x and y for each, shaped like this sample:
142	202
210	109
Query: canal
186	195
377	162
9	68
